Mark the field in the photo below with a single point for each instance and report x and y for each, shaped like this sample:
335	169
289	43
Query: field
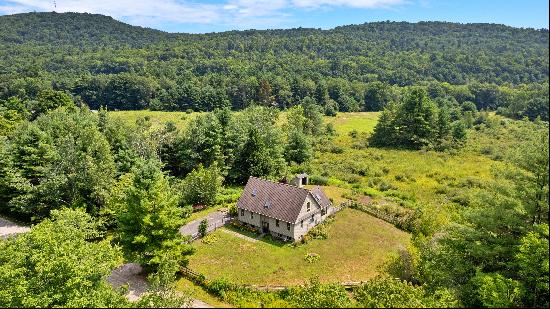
357	245
157	118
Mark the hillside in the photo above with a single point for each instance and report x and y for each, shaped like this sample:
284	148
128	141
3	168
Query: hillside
55	29
102	61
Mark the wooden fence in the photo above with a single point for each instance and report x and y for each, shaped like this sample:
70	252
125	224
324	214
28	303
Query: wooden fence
190	274
371	211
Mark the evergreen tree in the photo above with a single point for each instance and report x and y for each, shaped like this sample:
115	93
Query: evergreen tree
149	220
416	120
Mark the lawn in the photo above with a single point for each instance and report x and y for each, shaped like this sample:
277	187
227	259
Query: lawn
357	245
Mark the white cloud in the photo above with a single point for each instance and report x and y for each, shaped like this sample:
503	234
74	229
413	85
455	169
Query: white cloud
165	10
364	4
236	13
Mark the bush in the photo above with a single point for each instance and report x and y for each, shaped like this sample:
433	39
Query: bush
203	227
201	186
337	149
312	257
318	180
232	209
220	286
209	239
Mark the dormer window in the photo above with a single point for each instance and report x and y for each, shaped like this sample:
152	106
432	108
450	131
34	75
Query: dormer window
267	204
254	192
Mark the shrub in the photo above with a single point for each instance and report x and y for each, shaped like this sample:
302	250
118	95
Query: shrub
337	149
210	239
201	186
312	257
232	209
318	180
203	227
317	295
220	286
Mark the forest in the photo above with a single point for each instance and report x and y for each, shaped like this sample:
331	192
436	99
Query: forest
102	62
443	126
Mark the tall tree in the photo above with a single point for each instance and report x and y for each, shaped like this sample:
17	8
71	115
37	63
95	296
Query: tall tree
149	220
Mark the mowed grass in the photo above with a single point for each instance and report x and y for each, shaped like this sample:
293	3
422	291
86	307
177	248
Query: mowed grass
357	246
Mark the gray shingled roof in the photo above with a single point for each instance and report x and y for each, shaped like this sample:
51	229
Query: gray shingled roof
320	196
284	201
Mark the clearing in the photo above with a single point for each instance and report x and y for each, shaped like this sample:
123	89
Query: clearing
357	245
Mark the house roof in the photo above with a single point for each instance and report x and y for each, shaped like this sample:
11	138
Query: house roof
320	197
277	200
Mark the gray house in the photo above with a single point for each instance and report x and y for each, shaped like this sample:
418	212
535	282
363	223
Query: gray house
283	210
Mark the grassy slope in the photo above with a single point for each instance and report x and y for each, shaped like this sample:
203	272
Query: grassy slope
357	245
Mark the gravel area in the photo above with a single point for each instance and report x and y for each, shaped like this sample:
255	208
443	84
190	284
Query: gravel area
8	228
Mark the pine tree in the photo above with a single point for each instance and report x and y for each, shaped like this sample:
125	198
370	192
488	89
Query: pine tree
149	220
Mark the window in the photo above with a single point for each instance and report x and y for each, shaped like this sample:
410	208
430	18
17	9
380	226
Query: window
277	222
308	206
323	212
302	223
242	212
312	218
251	215
288	226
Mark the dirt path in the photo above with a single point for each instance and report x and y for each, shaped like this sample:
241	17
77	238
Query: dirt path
9	228
130	274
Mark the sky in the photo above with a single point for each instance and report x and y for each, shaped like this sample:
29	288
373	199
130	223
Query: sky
201	16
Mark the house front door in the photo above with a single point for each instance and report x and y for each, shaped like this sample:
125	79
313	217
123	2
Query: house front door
265	227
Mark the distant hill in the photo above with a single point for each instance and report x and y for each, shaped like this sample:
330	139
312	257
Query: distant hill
73	28
84	53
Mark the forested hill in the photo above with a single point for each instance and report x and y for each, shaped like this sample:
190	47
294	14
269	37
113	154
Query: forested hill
55	29
105	62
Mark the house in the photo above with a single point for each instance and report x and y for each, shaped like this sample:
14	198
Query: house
283	210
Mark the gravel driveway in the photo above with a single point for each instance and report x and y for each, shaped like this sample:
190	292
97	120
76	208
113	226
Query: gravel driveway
215	220
9	228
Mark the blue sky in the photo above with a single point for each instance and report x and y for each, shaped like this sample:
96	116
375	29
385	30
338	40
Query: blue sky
199	16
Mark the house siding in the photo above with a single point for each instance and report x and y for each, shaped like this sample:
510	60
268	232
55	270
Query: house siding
257	222
315	211
297	231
